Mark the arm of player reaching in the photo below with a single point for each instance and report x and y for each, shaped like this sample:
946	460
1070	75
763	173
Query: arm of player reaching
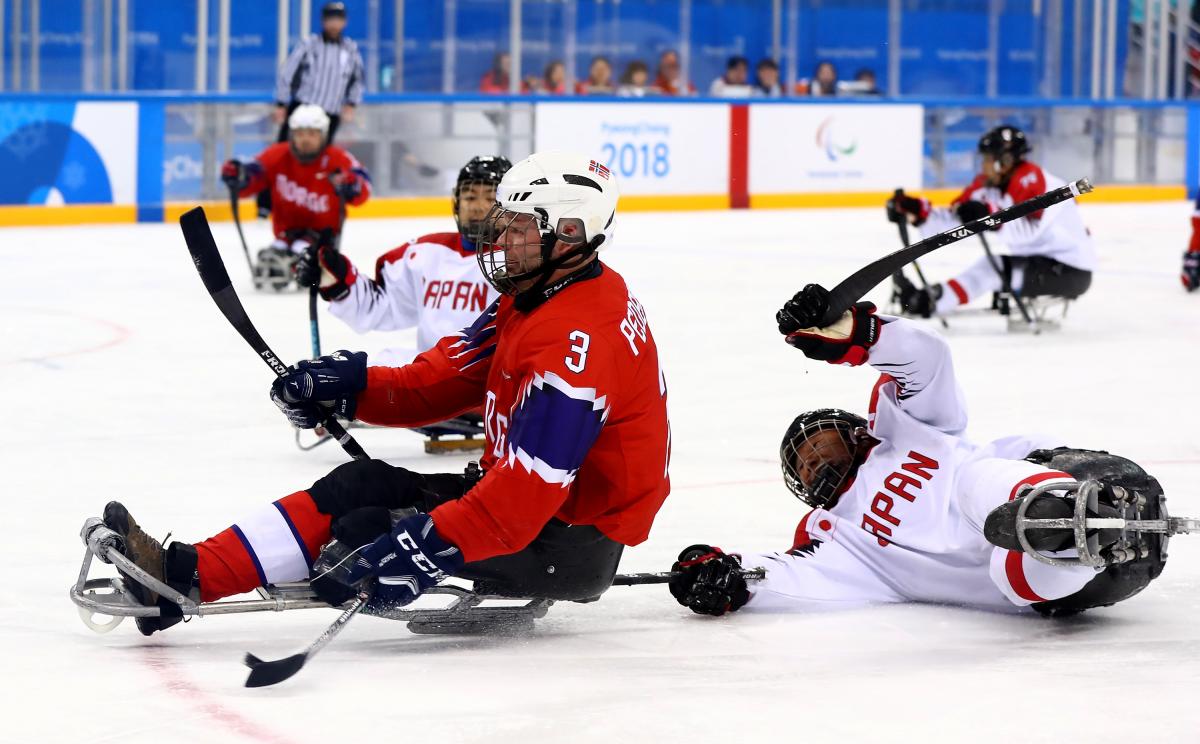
563	404
440	383
820	575
918	361
387	305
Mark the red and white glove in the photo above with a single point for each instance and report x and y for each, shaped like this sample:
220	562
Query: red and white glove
329	270
847	341
904	207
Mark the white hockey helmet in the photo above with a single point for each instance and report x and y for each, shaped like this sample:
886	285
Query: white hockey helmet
570	198
309	116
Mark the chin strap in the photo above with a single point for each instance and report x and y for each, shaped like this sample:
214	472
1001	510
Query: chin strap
542	290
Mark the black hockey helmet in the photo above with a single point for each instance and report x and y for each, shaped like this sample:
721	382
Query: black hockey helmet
818	472
333	10
1004	140
486	170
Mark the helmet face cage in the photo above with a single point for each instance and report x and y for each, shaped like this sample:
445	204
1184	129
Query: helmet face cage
516	247
1006	144
817	469
478	179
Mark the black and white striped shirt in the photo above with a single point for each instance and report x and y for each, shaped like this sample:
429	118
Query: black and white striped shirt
327	73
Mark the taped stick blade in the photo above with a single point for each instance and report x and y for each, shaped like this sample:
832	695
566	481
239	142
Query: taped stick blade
267	673
203	247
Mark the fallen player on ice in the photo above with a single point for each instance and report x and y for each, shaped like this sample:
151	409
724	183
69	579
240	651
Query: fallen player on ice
906	509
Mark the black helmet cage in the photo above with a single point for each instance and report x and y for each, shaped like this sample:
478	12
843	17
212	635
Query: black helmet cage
1007	144
482	170
829	480
504	272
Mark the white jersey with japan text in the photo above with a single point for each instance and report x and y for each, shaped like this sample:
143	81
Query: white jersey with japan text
910	526
1057	232
433	283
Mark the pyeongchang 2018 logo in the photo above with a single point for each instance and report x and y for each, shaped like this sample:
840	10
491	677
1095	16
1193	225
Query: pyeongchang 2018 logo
835	141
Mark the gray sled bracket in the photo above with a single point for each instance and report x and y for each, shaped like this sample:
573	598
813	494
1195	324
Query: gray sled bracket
1126	548
110	598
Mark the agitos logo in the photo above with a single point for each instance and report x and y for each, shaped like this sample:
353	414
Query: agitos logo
836	143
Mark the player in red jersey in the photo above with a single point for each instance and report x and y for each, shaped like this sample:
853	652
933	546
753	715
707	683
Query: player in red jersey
309	180
1050	253
432	282
578	441
1191	259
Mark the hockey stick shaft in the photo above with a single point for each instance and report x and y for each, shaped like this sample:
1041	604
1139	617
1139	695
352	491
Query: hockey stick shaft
266	673
638	579
987	249
853	287
215	276
902	224
237	221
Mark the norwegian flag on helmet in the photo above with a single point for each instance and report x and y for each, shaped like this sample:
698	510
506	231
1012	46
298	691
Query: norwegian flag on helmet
599	169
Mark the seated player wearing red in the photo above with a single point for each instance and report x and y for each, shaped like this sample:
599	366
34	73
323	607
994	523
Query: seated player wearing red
578	441
310	182
1191	259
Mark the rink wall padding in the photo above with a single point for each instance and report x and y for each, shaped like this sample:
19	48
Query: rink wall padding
100	159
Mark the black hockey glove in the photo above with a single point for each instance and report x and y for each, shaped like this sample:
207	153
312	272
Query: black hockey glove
311	390
804	310
903	207
708	581
237	175
1191	271
972	210
326	268
347	184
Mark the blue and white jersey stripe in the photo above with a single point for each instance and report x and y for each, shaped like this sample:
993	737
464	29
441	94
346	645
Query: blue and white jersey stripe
554	425
477	341
274	545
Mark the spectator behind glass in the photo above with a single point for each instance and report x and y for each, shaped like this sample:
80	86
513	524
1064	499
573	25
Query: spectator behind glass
495	80
554	79
735	82
634	80
824	81
670	81
766	80
599	81
864	83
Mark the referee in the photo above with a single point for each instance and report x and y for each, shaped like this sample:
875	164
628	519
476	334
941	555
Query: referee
325	69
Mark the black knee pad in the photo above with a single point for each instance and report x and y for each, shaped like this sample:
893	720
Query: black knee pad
367	483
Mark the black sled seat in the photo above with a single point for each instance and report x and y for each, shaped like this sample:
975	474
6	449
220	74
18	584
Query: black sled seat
1046	284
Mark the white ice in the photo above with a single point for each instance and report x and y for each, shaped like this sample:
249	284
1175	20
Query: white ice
120	380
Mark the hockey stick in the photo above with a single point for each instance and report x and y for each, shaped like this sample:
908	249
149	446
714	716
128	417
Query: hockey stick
853	287
639	579
987	249
203	247
237	221
265	673
902	224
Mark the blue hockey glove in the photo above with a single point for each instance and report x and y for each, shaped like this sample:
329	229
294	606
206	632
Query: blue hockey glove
405	562
311	390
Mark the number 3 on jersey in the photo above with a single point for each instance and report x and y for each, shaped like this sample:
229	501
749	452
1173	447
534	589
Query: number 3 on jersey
576	360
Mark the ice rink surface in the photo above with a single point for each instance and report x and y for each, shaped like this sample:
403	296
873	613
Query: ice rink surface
122	381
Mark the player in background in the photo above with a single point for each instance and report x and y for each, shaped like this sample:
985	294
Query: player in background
577	434
310	181
432	282
1050	252
906	509
1191	259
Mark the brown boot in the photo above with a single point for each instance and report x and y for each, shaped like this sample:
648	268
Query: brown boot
175	566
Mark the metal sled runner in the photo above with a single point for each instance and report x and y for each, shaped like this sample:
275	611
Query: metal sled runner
467	611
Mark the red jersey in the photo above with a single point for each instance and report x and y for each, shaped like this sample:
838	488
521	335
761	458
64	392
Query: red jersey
575	415
1026	181
301	195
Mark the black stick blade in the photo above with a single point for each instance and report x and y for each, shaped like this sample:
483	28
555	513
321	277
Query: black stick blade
267	673
204	251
